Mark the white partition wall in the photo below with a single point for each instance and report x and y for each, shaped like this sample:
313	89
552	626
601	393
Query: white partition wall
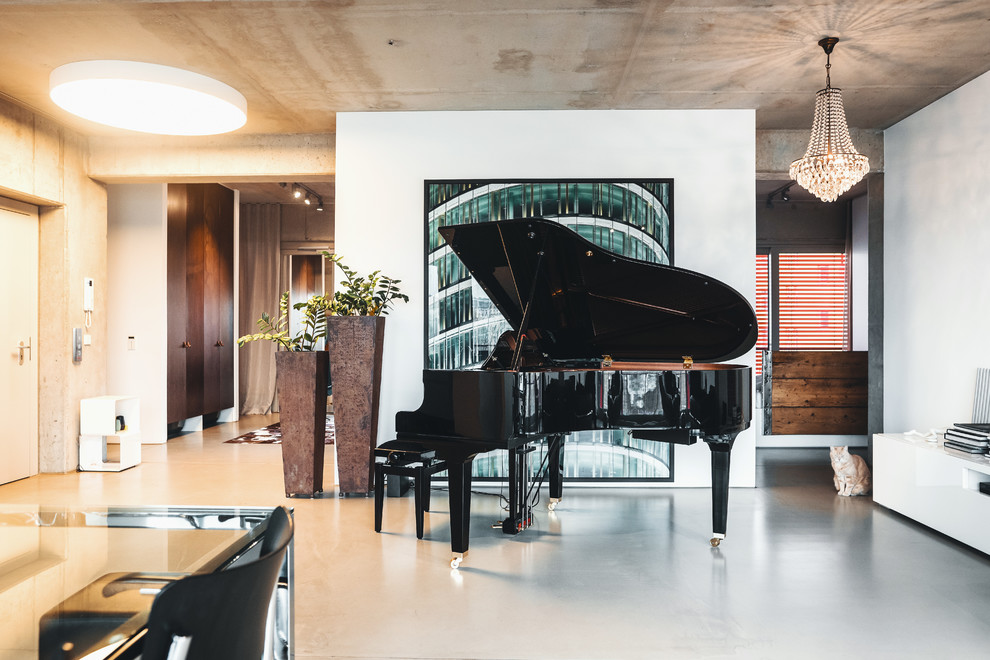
137	301
384	158
936	247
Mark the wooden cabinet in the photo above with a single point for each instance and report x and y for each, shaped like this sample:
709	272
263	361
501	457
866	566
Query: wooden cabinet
200	295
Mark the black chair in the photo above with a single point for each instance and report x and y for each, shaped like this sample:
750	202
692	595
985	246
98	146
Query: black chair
405	458
225	612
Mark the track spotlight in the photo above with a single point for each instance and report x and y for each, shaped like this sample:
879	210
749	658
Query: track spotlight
306	195
784	192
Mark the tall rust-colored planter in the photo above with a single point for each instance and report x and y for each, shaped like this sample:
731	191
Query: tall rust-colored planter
355	345
301	378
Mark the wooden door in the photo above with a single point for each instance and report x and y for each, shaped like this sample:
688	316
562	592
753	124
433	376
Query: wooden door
218	299
195	289
178	310
306	273
19	338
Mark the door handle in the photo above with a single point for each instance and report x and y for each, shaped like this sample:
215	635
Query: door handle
219	343
186	344
21	347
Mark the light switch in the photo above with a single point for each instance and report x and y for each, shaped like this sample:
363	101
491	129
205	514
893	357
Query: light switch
77	345
87	340
131	343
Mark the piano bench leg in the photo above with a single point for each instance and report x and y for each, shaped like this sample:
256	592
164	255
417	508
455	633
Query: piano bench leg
420	496
379	495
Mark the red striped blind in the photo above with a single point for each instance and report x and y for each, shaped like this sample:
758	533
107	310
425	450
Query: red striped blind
762	308
813	300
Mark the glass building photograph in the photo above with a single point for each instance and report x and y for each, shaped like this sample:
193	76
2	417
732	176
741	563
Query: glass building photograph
632	218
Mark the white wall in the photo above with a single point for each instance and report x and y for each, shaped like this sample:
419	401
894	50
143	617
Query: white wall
384	158
136	300
936	247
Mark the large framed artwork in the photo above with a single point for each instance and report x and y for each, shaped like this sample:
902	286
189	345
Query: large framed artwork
632	217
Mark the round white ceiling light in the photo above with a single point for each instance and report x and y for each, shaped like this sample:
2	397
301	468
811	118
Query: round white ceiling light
149	98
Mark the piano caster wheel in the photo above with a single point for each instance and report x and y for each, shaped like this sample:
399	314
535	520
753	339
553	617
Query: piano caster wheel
552	504
456	560
715	542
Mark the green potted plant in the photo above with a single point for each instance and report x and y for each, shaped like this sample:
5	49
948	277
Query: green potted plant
301	368
355	339
357	295
277	330
352	323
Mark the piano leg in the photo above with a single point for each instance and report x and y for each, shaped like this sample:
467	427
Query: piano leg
720	446
555	450
459	492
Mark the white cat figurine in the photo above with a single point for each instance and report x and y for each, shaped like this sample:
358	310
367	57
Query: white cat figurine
852	476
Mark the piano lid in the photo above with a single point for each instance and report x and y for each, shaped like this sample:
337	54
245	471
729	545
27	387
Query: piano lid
588	302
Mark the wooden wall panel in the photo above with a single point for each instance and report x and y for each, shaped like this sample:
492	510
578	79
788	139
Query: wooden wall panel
817	392
817	421
818	364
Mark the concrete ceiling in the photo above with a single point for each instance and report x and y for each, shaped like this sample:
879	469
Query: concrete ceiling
299	63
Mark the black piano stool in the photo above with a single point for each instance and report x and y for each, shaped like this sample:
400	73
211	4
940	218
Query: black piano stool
406	458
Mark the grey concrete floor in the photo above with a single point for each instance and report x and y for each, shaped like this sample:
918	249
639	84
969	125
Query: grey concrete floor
611	574
628	573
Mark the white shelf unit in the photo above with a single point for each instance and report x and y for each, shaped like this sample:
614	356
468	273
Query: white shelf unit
98	428
935	486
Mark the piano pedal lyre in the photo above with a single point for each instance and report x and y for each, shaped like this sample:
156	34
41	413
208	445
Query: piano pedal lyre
716	539
455	561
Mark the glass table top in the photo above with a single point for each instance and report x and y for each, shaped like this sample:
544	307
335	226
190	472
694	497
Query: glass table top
61	565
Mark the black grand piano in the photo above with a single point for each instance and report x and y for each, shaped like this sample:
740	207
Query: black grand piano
589	329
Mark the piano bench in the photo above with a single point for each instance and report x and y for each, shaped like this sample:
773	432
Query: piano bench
405	458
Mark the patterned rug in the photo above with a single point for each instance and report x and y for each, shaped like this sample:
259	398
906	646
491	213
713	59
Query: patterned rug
272	435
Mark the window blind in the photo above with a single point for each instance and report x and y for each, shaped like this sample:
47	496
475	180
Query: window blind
813	300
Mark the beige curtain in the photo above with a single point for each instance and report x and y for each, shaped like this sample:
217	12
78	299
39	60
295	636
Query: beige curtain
260	288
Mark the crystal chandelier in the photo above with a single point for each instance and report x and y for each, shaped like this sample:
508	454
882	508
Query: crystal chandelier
831	165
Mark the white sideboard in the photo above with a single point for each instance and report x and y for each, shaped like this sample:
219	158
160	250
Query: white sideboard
938	487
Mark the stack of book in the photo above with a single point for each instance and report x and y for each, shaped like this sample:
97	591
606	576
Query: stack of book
970	438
